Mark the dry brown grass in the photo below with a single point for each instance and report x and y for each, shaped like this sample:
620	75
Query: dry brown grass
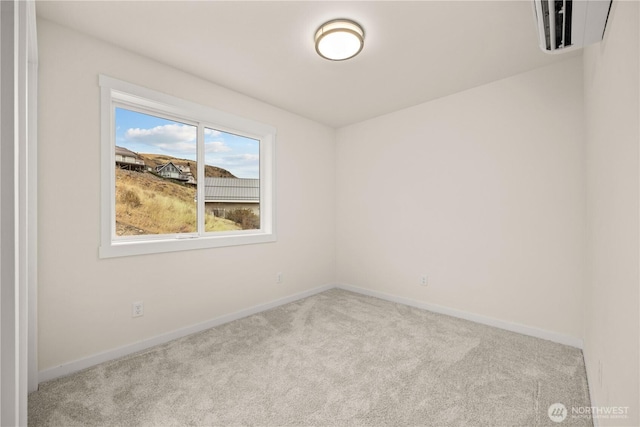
147	204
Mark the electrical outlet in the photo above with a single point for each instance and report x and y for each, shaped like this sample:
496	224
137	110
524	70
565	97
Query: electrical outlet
137	309
279	278
424	281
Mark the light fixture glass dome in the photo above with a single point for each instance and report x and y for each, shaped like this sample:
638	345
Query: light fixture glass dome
339	39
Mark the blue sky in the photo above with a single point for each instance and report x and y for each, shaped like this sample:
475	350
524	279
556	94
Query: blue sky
143	133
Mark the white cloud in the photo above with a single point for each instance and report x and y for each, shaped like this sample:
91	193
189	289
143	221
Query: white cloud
215	147
241	165
162	135
242	158
175	138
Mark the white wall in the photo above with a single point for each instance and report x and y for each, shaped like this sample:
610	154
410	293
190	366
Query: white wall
483	191
85	302
611	78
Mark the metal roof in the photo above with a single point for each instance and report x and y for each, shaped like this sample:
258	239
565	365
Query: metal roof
126	152
231	189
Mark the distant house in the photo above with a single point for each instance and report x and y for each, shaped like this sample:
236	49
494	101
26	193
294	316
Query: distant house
225	194
186	171
127	159
171	171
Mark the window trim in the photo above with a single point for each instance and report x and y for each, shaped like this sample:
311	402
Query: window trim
117	92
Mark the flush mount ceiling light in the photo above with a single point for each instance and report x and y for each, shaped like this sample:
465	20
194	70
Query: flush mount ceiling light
339	39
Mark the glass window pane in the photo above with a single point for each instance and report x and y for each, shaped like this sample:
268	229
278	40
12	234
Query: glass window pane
232	181
156	172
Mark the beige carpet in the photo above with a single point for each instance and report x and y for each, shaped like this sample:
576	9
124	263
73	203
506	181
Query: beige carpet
333	359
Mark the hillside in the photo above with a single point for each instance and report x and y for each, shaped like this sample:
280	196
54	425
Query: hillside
148	204
154	160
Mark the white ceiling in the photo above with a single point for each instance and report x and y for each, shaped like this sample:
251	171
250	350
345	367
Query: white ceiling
414	51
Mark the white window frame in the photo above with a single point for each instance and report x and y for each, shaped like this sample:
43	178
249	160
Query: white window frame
114	93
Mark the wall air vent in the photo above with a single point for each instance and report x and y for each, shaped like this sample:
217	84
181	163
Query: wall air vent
565	25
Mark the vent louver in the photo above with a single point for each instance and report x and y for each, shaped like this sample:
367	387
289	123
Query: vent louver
570	24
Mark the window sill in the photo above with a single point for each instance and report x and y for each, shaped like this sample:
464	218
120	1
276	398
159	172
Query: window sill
175	244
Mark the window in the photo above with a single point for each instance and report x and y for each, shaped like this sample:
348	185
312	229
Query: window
178	176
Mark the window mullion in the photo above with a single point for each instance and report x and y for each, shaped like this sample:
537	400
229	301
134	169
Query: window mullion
200	184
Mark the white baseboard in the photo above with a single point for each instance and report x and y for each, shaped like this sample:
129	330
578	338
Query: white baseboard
502	324
87	362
